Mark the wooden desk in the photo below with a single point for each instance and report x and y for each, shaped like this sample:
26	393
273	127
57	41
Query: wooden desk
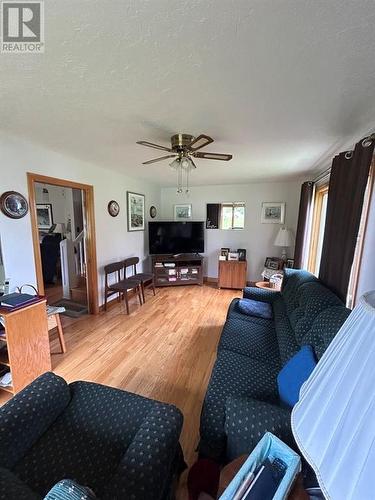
232	274
26	337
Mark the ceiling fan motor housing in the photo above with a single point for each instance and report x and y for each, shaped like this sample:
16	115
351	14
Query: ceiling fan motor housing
181	141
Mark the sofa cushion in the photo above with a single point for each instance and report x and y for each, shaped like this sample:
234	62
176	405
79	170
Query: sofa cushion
244	335
286	340
91	435
235	313
246	422
324	328
312	299
255	308
293	279
233	375
29	414
292	375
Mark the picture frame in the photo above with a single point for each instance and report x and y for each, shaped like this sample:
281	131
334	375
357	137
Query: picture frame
224	252
274	263
289	263
241	254
233	256
136	211
183	211
44	215
273	213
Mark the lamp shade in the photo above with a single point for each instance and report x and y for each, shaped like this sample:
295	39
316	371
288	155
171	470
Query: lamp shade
284	238
334	420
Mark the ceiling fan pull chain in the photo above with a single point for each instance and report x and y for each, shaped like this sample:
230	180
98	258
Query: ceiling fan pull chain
187	179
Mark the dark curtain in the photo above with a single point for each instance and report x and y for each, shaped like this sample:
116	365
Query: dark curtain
307	192
347	186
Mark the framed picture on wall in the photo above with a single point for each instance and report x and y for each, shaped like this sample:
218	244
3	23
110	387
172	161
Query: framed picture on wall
182	212
136	211
273	213
44	215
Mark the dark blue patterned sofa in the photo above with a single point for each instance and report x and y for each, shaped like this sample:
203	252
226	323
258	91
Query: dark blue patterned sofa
119	444
242	401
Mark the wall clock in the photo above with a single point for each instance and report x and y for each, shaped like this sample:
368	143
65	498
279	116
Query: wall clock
113	208
153	212
13	205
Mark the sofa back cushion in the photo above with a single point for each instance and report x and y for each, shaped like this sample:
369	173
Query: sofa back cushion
27	416
311	299
293	279
324	328
284	332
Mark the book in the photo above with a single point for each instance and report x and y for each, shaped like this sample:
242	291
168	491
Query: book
16	300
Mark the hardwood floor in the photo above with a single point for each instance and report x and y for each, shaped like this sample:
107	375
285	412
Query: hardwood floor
163	350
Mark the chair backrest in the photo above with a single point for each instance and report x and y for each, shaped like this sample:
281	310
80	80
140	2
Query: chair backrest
131	262
115	267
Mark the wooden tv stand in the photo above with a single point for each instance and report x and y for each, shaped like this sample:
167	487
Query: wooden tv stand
182	269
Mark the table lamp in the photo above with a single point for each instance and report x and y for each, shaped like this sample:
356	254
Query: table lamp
334	420
284	239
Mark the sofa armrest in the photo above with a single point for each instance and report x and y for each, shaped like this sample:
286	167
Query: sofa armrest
27	416
147	468
247	420
260	294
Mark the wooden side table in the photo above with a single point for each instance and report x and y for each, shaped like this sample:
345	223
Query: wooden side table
232	274
266	286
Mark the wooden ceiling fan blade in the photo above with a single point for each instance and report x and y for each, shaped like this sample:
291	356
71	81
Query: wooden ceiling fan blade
155	146
158	159
200	142
213	156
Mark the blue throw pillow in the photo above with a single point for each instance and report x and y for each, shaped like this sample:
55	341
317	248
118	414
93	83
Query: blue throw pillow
255	308
296	371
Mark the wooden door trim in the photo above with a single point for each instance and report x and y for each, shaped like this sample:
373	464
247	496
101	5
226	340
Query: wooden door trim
92	268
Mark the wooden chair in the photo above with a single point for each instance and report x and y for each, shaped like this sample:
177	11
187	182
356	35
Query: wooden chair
146	279
122	285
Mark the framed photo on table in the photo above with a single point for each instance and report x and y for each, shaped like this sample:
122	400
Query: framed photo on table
44	215
136	211
273	213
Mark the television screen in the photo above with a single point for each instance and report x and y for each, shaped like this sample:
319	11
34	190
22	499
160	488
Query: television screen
175	237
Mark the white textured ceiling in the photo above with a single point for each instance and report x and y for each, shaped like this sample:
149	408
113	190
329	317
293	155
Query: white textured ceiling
280	84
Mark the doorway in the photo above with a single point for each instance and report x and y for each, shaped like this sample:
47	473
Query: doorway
63	229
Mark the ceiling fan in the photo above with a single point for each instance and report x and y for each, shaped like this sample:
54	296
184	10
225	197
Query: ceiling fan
186	146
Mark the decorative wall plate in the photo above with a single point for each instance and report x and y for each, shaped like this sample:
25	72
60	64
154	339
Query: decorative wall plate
153	212
13	205
113	208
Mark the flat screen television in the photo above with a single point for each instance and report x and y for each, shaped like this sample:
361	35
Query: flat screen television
175	237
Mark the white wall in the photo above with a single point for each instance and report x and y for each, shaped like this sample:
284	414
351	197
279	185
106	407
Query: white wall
257	238
366	280
113	242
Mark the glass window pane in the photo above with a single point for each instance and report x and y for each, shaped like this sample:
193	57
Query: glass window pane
226	217
322	223
239	217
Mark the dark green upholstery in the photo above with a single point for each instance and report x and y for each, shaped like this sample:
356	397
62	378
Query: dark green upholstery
119	444
242	402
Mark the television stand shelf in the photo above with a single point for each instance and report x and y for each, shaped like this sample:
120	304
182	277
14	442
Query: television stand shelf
183	269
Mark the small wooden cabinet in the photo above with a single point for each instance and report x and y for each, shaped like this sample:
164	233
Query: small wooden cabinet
27	352
232	273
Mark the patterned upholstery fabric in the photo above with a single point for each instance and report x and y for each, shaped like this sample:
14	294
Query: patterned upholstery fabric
250	338
233	375
27	416
69	490
12	488
246	422
242	401
96	439
260	294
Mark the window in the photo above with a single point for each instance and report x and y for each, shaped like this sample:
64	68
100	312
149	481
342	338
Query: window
232	215
318	225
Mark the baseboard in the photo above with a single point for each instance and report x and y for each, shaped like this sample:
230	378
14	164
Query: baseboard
207	279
